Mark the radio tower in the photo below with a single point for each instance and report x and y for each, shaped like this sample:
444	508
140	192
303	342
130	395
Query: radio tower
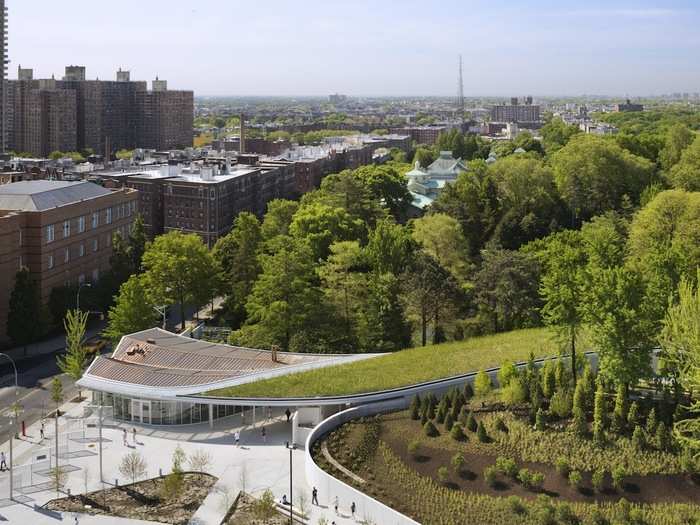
460	99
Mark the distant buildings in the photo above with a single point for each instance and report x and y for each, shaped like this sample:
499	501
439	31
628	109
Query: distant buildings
61	231
516	112
628	106
3	73
425	184
423	134
75	114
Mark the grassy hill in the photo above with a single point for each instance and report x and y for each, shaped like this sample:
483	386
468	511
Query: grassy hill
407	367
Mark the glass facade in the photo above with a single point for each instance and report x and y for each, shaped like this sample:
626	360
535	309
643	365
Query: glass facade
152	412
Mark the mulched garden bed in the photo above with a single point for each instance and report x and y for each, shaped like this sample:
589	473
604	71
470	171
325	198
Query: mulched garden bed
243	514
142	500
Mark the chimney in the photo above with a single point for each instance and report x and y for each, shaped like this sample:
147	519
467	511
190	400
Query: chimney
241	147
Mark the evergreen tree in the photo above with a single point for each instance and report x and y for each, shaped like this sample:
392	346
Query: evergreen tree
26	318
620	410
652	422
633	415
599	414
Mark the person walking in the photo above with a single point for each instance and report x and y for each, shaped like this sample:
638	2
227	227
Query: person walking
314	496
41	431
237	438
264	434
133	432
352	509
269	413
3	463
288	414
336	504
124	437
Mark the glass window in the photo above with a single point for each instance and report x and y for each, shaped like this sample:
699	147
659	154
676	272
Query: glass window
81	224
50	261
95	220
94	245
95	275
81	250
66	229
66	255
108	215
49	233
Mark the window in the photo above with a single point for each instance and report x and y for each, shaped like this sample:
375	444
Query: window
21	262
95	275
20	237
81	250
81	278
108	215
49	233
66	255
94	245
50	262
95	220
81	224
66	229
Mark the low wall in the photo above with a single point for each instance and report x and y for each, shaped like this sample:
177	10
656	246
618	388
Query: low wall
329	488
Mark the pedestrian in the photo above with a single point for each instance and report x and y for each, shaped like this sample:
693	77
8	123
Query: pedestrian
288	414
41	431
124	437
269	413
237	437
314	496
133	432
284	500
352	509
3	463
264	434
335	505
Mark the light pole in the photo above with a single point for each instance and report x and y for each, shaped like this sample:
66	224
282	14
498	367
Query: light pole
291	448
12	419
77	295
162	310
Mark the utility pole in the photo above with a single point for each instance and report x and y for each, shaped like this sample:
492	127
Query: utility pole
291	448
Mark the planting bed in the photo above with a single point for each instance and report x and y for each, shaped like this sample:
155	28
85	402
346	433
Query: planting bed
142	500
654	488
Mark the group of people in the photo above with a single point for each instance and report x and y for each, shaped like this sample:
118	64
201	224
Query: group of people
124	436
314	501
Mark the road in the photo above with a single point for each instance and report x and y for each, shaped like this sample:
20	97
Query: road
34	393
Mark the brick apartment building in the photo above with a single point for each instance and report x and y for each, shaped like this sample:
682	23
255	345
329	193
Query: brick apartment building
516	112
75	114
422	134
61	231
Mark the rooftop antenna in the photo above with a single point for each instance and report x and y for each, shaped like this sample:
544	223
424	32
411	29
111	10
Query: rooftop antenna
460	100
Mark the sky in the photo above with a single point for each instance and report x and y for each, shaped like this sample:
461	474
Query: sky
368	48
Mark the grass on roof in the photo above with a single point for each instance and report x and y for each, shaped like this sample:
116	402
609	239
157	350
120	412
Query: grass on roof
407	367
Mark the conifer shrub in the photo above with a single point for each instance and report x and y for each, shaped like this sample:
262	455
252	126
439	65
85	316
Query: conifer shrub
481	432
458	462
468	391
618	477
500	425
652	421
471	423
633	415
482	384
662	438
536	480
561	403
598	479
449	422
525	478
514	392
540	420
424	418
443	474
562	466
620	411
638	438
490	476
416	407
457	432
430	430
575	479
507	466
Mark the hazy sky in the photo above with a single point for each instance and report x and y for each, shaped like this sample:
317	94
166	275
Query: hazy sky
362	47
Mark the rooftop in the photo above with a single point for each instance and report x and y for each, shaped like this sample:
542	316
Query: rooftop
40	195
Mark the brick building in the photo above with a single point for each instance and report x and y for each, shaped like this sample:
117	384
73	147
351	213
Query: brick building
61	231
516	112
423	134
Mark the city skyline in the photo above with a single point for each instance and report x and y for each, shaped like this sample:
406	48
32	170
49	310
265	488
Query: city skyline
223	48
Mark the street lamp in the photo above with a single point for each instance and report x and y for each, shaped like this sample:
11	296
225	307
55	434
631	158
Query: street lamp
12	419
77	295
162	310
291	449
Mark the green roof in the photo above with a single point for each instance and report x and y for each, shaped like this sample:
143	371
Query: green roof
404	368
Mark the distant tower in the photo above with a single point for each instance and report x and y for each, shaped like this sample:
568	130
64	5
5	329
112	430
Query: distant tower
460	100
3	72
241	145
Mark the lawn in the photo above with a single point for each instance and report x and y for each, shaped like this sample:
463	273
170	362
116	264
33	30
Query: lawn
407	367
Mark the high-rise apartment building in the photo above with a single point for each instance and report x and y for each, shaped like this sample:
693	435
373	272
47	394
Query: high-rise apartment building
516	112
3	72
101	116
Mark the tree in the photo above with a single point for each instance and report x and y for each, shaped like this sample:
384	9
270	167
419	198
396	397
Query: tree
424	156
174	482
200	460
133	466
678	138
556	134
594	174
619	325
278	218
684	174
133	311
124	154
389	248
680	341
26	318
482	383
384	327
563	290
321	225
599	414
506	289
387	186
237	255
441	237
350	193
179	269
72	363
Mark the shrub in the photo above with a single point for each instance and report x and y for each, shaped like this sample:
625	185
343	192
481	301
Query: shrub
540	420
651	422
482	383
515	505
575	479
413	447
618	477
430	430
579	403
525	477
561	403
490	476
415	408
548	379
599	410
468	391
458	462
514	392
424	417
500	425
620	411
638	439
506	373
598	479
597	517
507	466
441	411
544	511
481	432
579	424
449	422
457	433
565	515
471	423
537	480
562	466
689	464
633	415
662	438
443	474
